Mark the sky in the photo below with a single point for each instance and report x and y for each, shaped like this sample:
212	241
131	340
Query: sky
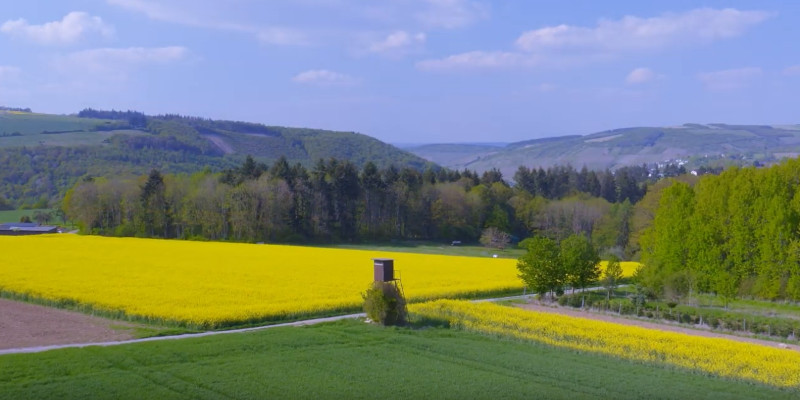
410	71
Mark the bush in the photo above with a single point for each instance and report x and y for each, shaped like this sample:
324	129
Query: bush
385	304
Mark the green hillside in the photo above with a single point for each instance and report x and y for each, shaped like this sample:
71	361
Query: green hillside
698	144
42	155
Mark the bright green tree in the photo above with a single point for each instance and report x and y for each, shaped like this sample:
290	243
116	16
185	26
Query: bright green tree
540	267
612	275
580	260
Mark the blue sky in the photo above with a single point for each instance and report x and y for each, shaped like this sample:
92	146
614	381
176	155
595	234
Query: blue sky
410	71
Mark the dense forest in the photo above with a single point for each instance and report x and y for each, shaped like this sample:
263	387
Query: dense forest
735	234
337	201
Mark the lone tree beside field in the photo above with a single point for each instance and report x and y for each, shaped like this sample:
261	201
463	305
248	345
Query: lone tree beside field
580	260
612	275
547	266
540	267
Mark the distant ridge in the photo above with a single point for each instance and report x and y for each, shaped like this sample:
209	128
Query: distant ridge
694	144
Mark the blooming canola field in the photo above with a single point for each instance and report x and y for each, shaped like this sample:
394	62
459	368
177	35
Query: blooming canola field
212	284
716	356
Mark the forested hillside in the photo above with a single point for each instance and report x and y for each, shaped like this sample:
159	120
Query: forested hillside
42	155
735	234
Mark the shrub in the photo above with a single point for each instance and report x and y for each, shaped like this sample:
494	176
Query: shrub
385	304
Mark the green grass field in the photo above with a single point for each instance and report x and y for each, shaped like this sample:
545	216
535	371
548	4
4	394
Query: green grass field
29	127
34	124
15	215
435	248
67	139
352	360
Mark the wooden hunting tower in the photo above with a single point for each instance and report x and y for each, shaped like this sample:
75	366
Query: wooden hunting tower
384	269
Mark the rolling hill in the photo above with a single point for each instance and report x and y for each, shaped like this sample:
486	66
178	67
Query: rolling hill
42	155
697	144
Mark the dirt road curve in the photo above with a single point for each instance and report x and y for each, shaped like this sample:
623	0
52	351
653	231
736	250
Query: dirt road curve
25	325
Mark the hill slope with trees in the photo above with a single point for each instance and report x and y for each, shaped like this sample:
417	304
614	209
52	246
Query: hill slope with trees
42	155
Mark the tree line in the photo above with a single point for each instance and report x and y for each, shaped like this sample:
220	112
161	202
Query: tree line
735	234
336	201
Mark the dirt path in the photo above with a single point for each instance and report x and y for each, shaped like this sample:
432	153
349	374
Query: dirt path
24	325
40	348
27	328
651	325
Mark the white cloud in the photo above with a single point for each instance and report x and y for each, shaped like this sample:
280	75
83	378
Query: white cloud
729	79
547	87
155	10
181	14
565	45
641	75
9	73
452	13
479	59
398	42
631	33
794	70
73	27
117	63
280	36
323	77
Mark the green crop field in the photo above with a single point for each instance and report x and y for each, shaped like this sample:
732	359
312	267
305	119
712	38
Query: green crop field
64	139
30	129
352	360
427	247
15	215
34	124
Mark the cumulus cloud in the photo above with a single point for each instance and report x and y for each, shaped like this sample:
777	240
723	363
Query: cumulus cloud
452	13
564	45
323	77
70	29
729	79
641	75
397	42
632	33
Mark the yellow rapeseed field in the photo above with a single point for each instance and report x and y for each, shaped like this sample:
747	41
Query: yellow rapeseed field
210	284
721	357
628	267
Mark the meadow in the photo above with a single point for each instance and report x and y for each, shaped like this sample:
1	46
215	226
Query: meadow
353	360
215	284
34	123
714	356
15	215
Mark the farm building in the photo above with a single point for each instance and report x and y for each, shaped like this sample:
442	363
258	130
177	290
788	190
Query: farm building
26	228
